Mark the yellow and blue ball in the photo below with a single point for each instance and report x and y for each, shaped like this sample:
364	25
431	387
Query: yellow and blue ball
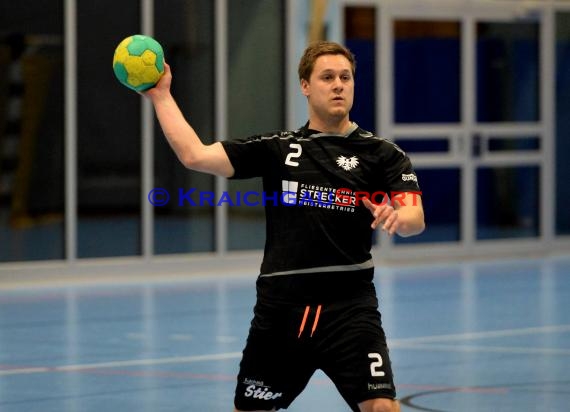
138	62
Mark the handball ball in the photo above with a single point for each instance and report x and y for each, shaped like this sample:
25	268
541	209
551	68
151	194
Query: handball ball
138	62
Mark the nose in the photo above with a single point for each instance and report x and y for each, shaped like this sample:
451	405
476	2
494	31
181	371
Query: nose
338	84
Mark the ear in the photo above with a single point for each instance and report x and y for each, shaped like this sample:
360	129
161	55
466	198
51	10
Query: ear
305	86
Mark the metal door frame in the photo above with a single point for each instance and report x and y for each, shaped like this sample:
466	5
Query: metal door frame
467	14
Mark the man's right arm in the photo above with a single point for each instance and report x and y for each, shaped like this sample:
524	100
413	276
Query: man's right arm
187	145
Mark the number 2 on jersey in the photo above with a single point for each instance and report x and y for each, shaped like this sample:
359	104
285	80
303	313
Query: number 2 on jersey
296	153
376	366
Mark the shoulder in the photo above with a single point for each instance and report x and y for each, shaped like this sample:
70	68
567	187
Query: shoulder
273	136
383	144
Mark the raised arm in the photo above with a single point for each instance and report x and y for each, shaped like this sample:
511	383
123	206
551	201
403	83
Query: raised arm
187	145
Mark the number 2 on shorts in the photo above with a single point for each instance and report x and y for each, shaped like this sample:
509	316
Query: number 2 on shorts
376	366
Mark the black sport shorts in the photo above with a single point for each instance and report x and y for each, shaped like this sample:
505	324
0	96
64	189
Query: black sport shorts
287	343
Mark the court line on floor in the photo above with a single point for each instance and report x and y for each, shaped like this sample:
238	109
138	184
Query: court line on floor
417	342
504	333
488	349
125	363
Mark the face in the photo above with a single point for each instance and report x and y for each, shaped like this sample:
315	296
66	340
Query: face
330	89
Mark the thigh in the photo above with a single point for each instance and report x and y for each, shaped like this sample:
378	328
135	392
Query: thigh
355	356
275	365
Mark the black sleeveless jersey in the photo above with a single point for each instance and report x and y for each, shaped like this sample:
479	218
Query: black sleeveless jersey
313	184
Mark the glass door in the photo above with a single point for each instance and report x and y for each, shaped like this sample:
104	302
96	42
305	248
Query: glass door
462	91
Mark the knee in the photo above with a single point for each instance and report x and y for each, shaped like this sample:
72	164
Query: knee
380	405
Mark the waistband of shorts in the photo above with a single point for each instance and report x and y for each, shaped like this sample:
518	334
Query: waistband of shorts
317	287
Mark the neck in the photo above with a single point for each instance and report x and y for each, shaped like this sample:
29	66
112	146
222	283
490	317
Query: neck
334	127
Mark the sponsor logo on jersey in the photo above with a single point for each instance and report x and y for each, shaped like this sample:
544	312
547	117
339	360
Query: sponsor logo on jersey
302	194
408	177
290	189
341	199
347	163
258	390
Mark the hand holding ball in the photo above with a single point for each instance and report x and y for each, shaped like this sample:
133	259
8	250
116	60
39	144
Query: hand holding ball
138	62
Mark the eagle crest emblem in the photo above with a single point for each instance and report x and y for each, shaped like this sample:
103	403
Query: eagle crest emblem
347	163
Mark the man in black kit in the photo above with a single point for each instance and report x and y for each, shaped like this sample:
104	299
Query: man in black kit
316	303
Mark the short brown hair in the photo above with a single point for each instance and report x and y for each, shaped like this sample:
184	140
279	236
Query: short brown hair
318	49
